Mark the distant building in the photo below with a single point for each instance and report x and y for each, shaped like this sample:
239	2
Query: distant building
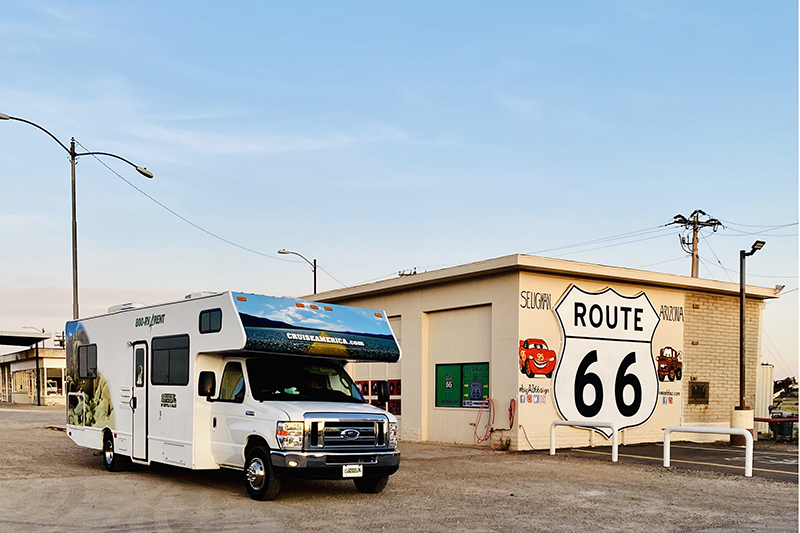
18	371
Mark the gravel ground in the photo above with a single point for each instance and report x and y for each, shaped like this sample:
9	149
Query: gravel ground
47	483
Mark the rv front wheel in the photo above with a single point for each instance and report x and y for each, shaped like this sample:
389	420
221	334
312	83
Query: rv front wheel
259	478
112	461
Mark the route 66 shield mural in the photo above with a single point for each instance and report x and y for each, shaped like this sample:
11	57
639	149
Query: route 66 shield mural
606	372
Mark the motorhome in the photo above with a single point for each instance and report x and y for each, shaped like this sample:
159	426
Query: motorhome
234	380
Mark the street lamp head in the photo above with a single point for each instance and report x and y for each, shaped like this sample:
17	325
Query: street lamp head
284	251
144	172
758	245
3	116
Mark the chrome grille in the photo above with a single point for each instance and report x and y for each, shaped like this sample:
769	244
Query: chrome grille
349	433
353	432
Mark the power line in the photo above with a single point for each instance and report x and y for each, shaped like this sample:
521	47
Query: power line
777	352
728	222
662	262
331	276
717	258
207	232
604	239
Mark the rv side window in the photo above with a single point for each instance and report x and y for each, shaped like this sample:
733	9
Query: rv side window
87	361
232	386
139	367
170	360
210	320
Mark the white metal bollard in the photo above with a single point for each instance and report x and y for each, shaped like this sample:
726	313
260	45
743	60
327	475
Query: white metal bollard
748	437
586	425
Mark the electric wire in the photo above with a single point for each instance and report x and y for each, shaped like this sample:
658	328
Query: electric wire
715	256
615	244
601	240
757	225
777	355
663	262
704	264
196	226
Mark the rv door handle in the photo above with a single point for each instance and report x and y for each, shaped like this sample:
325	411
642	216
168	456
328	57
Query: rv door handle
214	422
250	413
133	402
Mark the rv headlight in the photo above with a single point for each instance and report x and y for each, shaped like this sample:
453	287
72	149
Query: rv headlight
392	435
290	435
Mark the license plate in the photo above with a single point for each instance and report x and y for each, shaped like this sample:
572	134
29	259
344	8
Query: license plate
352	471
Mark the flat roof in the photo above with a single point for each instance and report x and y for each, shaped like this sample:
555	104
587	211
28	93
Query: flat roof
22	338
548	267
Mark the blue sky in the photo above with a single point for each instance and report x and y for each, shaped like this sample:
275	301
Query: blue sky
379	137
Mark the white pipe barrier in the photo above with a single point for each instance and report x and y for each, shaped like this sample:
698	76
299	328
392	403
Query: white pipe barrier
748	437
586	425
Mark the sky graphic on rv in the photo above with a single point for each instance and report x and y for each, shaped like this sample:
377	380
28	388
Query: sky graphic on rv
286	325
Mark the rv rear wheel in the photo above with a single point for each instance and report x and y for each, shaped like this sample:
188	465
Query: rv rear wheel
112	461
259	477
371	485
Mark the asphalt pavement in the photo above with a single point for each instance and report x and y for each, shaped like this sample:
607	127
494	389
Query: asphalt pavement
771	460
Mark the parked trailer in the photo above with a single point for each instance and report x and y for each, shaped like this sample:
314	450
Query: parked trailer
234	380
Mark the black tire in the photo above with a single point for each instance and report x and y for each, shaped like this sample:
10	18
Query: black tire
259	477
372	484
672	375
549	375
678	374
528	370
112	461
661	377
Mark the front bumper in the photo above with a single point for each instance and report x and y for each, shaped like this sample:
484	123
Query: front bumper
322	465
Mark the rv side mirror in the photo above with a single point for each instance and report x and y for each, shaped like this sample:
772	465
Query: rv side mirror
383	392
207	384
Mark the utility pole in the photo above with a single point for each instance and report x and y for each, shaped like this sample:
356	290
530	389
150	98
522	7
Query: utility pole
694	223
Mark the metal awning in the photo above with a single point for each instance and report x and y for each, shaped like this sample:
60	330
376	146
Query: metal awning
22	338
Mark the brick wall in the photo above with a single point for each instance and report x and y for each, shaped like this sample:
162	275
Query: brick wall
711	353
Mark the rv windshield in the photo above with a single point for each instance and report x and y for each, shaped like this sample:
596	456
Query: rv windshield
297	379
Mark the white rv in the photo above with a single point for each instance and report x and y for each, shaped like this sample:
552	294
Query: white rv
234	380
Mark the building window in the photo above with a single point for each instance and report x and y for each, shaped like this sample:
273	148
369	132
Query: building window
210	320
170	360
462	384
87	361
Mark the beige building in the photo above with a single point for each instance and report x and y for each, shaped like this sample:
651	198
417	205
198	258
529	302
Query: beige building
499	349
18	371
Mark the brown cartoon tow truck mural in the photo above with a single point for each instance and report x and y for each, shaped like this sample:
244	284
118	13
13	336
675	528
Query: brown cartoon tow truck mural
669	364
535	358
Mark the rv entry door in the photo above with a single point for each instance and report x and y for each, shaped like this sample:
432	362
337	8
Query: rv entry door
139	402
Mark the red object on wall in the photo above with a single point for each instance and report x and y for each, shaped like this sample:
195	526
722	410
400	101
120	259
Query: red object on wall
394	407
394	387
363	386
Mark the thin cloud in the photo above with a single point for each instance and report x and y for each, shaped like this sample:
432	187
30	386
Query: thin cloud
526	108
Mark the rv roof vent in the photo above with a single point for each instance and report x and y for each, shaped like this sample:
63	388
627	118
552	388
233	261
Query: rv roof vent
125	307
199	295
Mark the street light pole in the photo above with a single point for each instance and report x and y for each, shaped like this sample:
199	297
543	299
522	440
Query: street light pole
742	299
73	156
72	161
313	265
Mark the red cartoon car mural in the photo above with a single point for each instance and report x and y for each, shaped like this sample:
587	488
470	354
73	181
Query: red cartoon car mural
670	364
535	358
